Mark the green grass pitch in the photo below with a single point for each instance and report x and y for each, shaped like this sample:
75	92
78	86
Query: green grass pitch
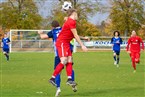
27	74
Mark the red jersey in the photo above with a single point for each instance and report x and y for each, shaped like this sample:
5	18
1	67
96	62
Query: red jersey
134	44
66	34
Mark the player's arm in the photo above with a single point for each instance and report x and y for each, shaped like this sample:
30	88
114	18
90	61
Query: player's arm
9	42
74	31
142	44
84	38
45	36
42	35
112	41
127	47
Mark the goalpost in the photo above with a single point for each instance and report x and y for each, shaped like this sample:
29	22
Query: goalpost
29	41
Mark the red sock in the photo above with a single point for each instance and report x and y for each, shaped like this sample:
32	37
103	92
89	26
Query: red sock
69	69
58	69
133	62
134	65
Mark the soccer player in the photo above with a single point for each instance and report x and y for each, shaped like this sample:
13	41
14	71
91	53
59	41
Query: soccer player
116	41
63	45
54	34
134	47
5	45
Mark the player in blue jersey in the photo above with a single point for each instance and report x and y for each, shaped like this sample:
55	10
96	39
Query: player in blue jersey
116	41
54	34
5	45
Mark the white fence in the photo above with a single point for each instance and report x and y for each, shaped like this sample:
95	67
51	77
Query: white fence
47	45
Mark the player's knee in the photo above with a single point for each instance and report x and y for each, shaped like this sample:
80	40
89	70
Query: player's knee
64	61
114	54
4	53
70	60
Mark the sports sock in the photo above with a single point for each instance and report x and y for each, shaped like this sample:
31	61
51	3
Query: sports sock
7	56
134	65
118	60
69	69
58	69
58	80
114	58
73	75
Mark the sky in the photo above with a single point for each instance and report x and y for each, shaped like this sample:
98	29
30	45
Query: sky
46	5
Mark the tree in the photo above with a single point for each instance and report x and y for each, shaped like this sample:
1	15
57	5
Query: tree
127	15
19	14
83	9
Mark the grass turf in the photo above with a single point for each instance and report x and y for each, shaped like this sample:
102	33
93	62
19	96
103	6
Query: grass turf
27	74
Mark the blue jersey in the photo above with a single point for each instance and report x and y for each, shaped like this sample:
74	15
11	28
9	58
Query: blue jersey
116	41
5	42
54	34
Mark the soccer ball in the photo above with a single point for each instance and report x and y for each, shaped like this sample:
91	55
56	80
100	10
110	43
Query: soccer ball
66	5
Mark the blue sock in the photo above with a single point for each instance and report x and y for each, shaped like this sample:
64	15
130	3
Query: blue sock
73	75
118	60
58	80
114	58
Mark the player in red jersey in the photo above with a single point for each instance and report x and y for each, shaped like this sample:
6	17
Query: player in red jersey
67	33
134	48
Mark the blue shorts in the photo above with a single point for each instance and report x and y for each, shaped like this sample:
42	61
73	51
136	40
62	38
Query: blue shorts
56	61
6	50
117	52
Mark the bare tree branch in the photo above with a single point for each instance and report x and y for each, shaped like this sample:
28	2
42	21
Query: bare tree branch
12	3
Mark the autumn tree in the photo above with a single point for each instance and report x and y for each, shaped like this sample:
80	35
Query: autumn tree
127	15
83	9
19	14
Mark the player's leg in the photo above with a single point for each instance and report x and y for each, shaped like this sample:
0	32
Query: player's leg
74	88
57	79
133	60
69	71
114	56
137	57
62	52
118	57
73	73
58	69
69	68
6	53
